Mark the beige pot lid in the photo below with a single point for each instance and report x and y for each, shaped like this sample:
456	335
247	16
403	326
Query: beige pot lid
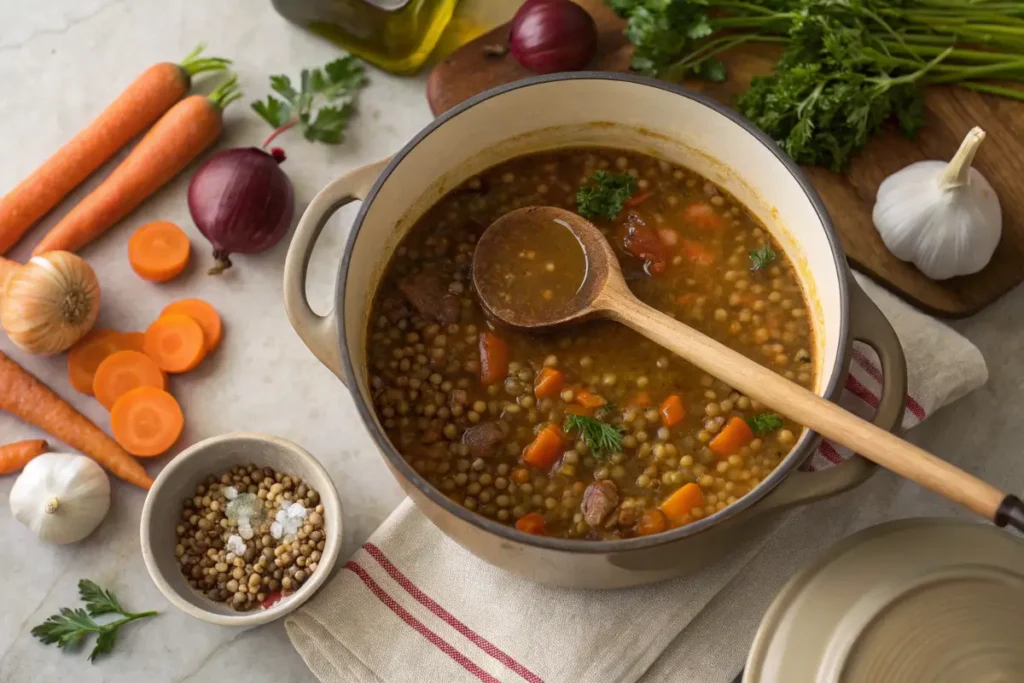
910	601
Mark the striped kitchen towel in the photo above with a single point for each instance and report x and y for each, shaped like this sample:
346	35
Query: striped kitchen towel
411	606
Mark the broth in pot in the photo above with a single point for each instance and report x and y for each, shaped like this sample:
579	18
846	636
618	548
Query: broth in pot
588	431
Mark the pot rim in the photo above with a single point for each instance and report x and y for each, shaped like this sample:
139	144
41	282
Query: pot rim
796	457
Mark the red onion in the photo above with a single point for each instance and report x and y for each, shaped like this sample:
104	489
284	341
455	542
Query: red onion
552	35
242	201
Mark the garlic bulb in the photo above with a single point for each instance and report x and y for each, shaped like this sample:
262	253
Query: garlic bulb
61	497
945	218
49	303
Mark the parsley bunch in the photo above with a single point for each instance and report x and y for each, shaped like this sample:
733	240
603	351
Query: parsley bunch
847	66
322	105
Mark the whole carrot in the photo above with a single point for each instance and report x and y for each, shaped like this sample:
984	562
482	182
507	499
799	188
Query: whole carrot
25	397
142	102
14	456
177	138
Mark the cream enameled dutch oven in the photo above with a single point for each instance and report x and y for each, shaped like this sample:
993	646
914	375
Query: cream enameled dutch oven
626	112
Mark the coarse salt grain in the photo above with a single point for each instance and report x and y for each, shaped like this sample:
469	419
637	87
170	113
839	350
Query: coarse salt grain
235	544
291	519
230	493
276	530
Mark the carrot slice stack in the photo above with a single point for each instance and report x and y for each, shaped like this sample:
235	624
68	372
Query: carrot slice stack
123	371
146	421
204	314
158	251
176	343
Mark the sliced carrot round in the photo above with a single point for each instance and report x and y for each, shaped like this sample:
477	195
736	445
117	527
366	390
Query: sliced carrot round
204	314
85	356
98	334
133	341
158	251
146	421
175	341
123	371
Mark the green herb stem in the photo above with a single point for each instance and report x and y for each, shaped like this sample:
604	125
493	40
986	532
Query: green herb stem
957	54
719	45
131	616
990	89
963	73
280	129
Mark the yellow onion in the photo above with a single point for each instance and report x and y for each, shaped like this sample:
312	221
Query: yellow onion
49	303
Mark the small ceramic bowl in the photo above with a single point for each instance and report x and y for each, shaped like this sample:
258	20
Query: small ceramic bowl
162	510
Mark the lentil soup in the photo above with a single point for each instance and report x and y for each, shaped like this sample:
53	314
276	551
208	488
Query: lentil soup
589	431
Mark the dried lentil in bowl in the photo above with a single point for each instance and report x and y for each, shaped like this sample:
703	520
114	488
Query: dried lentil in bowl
588	431
250	536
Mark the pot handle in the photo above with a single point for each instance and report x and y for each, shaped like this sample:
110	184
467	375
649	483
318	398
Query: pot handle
320	332
868	325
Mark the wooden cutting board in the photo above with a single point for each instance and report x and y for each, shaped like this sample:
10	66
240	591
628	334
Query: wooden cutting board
950	113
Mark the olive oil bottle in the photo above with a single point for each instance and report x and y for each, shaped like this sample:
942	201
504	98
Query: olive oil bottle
396	35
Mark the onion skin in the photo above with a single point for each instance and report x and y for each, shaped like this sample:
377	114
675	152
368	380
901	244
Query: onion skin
242	202
548	36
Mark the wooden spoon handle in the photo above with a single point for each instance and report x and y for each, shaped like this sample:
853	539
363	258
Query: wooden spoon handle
809	409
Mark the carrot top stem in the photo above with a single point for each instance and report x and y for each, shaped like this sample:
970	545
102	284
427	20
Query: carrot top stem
225	93
194	64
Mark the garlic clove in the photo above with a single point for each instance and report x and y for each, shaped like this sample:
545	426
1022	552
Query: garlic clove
945	218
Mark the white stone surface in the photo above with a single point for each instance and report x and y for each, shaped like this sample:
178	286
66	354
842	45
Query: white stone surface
60	62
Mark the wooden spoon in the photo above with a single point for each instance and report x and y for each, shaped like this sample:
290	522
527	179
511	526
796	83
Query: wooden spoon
601	291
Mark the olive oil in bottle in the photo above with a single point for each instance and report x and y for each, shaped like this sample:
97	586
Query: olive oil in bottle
396	35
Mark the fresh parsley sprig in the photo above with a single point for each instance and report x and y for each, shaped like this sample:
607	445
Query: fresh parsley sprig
759	258
763	423
602	438
322	105
70	626
605	195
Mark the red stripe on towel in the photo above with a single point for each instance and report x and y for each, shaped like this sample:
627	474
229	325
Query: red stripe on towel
412	621
854	386
912	405
829	452
447	617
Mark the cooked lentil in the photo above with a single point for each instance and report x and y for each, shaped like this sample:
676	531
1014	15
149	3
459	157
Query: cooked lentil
250	536
683	245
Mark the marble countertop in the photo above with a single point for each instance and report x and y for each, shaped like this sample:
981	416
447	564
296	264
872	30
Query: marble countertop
63	60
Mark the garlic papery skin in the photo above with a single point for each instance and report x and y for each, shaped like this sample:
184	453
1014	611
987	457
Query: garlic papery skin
944	218
61	497
49	303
